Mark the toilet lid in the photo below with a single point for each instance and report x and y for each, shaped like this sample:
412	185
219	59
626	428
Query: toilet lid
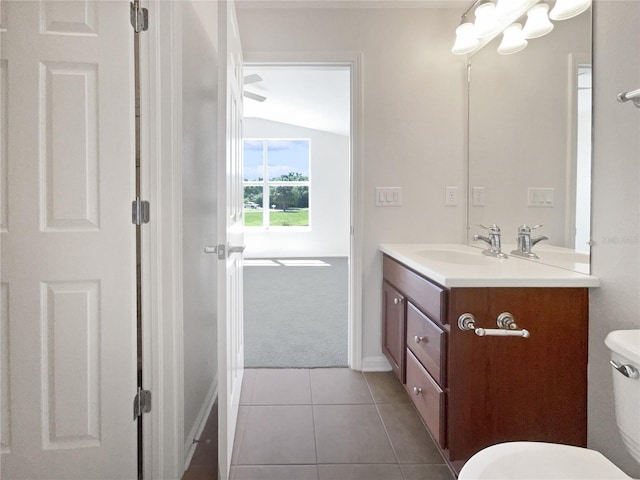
539	461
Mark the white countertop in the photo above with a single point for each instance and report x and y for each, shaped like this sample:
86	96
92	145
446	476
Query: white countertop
457	265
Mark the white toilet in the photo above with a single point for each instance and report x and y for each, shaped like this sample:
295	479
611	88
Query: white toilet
540	461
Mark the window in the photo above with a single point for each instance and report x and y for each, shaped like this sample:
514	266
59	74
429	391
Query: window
276	183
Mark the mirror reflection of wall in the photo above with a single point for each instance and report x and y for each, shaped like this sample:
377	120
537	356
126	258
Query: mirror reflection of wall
583	164
530	138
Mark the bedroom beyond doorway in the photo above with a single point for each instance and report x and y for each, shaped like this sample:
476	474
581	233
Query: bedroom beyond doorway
297	213
296	312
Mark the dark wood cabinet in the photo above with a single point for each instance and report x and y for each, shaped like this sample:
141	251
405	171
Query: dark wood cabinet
474	391
393	329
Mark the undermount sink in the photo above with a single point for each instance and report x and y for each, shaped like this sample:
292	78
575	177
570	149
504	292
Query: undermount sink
456	256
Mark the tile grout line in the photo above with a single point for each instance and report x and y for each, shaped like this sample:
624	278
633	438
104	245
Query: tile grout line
415	409
313	423
386	432
244	427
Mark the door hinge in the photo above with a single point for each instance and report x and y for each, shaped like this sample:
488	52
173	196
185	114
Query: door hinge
141	403
139	211
139	17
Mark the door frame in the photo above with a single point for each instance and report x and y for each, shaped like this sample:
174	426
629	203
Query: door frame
161	184
161	255
354	62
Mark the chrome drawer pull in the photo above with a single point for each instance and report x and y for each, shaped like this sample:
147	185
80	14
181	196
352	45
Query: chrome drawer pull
397	300
417	390
627	370
419	339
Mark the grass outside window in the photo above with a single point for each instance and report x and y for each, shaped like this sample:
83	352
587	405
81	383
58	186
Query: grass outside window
294	217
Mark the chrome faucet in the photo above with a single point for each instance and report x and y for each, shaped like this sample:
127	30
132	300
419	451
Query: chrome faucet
493	240
526	243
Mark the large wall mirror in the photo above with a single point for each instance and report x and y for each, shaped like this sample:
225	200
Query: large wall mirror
530	142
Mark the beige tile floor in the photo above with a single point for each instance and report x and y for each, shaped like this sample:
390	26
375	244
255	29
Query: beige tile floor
328	424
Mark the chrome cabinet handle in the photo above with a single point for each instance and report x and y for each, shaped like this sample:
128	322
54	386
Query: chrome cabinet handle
627	370
211	249
417	390
496	332
467	322
397	300
419	339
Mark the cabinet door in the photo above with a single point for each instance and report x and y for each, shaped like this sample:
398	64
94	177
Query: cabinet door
394	328
504	389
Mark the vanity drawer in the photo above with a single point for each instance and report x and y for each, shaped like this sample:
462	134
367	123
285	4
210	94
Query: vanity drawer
427	342
429	297
428	398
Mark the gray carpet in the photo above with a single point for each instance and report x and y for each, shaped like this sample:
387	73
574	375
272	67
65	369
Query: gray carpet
296	313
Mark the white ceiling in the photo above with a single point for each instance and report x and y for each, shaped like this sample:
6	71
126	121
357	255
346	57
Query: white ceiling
309	96
352	3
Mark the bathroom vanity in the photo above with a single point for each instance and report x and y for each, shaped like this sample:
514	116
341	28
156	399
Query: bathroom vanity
486	384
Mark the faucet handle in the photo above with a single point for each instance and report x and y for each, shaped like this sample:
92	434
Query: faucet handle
524	228
492	229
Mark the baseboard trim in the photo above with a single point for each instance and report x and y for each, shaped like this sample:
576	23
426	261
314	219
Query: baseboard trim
199	424
378	363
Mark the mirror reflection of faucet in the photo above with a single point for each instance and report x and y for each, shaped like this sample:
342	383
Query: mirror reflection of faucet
526	243
493	240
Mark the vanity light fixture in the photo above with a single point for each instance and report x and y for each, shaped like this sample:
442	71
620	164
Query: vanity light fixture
538	23
565	9
486	24
466	39
512	40
491	19
505	8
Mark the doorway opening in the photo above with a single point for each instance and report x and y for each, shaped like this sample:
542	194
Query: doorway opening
297	214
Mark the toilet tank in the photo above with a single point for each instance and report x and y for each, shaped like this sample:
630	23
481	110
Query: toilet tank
625	350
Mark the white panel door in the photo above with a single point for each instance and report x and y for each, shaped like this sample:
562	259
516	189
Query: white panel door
230	232
68	251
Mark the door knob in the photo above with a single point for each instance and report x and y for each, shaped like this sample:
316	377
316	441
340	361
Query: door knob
237	248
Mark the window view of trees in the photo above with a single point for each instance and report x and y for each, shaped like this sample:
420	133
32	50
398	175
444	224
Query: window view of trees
281	197
282	200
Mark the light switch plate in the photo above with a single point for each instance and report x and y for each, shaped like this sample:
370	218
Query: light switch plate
540	197
388	196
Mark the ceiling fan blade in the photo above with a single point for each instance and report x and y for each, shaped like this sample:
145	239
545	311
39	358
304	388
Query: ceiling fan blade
253	78
255	96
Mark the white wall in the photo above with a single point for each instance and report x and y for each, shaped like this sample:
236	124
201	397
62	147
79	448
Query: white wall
199	87
616	212
413	118
329	197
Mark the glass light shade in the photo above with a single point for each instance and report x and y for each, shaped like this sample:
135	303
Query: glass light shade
466	40
565	9
486	23
507	7
512	40
538	23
